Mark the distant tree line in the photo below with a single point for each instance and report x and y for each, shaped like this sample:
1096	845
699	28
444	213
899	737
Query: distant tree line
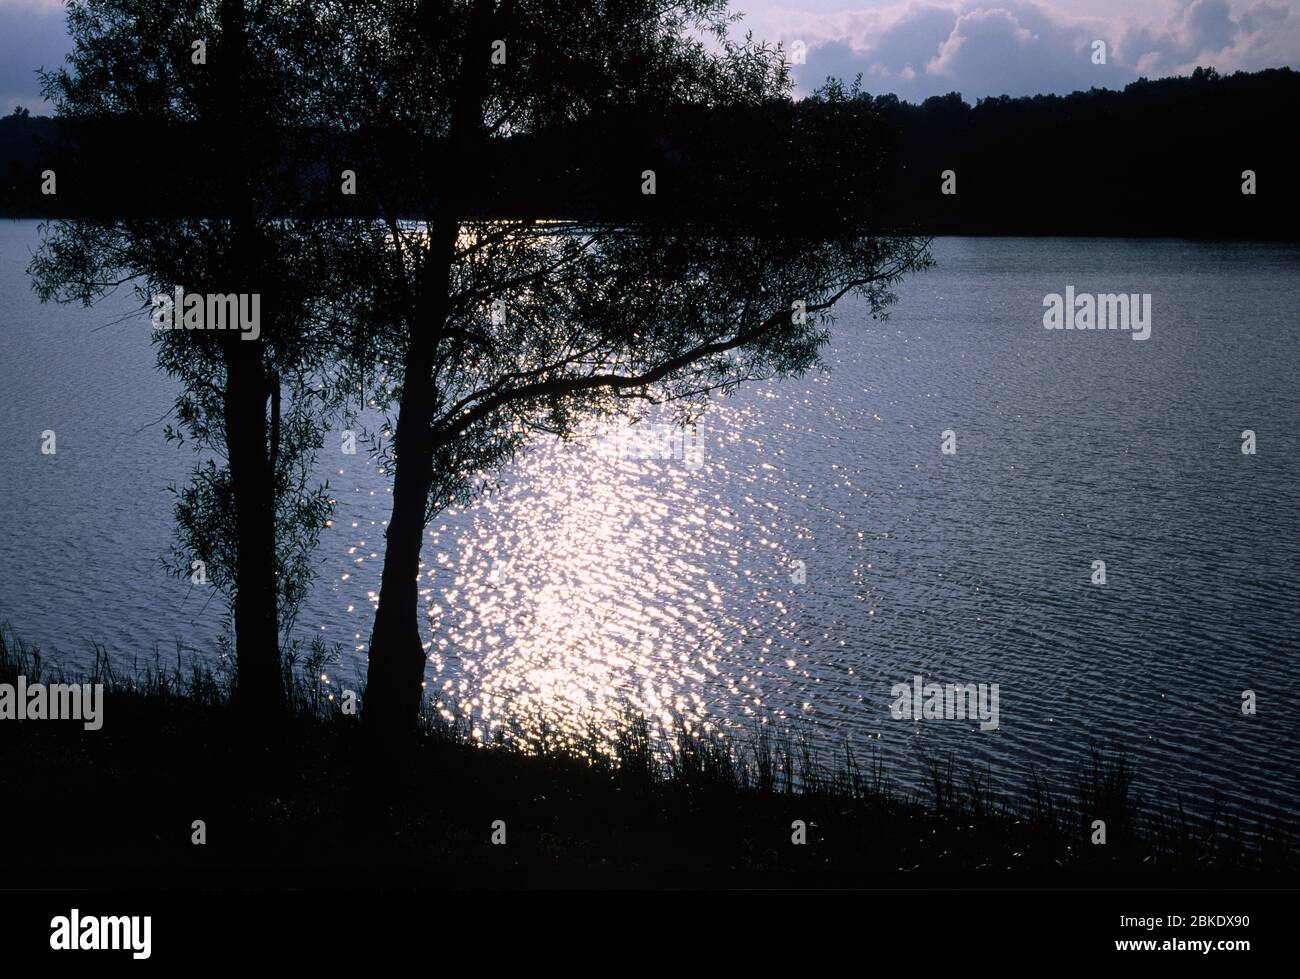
1165	157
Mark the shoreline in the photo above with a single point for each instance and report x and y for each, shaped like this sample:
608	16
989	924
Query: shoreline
315	802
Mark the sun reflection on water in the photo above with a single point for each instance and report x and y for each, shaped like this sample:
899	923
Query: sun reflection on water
577	596
632	570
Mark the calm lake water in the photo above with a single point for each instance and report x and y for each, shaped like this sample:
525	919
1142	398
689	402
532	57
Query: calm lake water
594	578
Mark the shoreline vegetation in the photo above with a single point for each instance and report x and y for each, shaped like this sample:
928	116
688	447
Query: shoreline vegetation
313	800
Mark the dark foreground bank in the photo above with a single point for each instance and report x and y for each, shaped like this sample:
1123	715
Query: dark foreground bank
313	802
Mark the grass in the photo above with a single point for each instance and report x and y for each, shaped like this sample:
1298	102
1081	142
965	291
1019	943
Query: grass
312	802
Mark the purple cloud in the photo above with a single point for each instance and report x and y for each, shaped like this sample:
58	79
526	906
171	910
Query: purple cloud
1020	47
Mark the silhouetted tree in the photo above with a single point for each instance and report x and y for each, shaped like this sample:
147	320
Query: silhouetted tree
490	323
498	329
252	407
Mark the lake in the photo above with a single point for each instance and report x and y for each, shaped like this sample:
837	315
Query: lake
813	547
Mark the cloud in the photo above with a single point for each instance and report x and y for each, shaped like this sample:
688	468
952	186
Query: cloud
41	7
910	41
1022	47
1009	50
1264	34
32	36
914	48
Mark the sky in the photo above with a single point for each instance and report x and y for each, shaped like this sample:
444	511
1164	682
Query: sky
914	48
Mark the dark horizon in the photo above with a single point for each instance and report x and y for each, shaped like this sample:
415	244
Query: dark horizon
1035	165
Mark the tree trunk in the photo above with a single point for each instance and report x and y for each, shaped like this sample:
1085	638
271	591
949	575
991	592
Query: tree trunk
395	678
259	684
394	688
